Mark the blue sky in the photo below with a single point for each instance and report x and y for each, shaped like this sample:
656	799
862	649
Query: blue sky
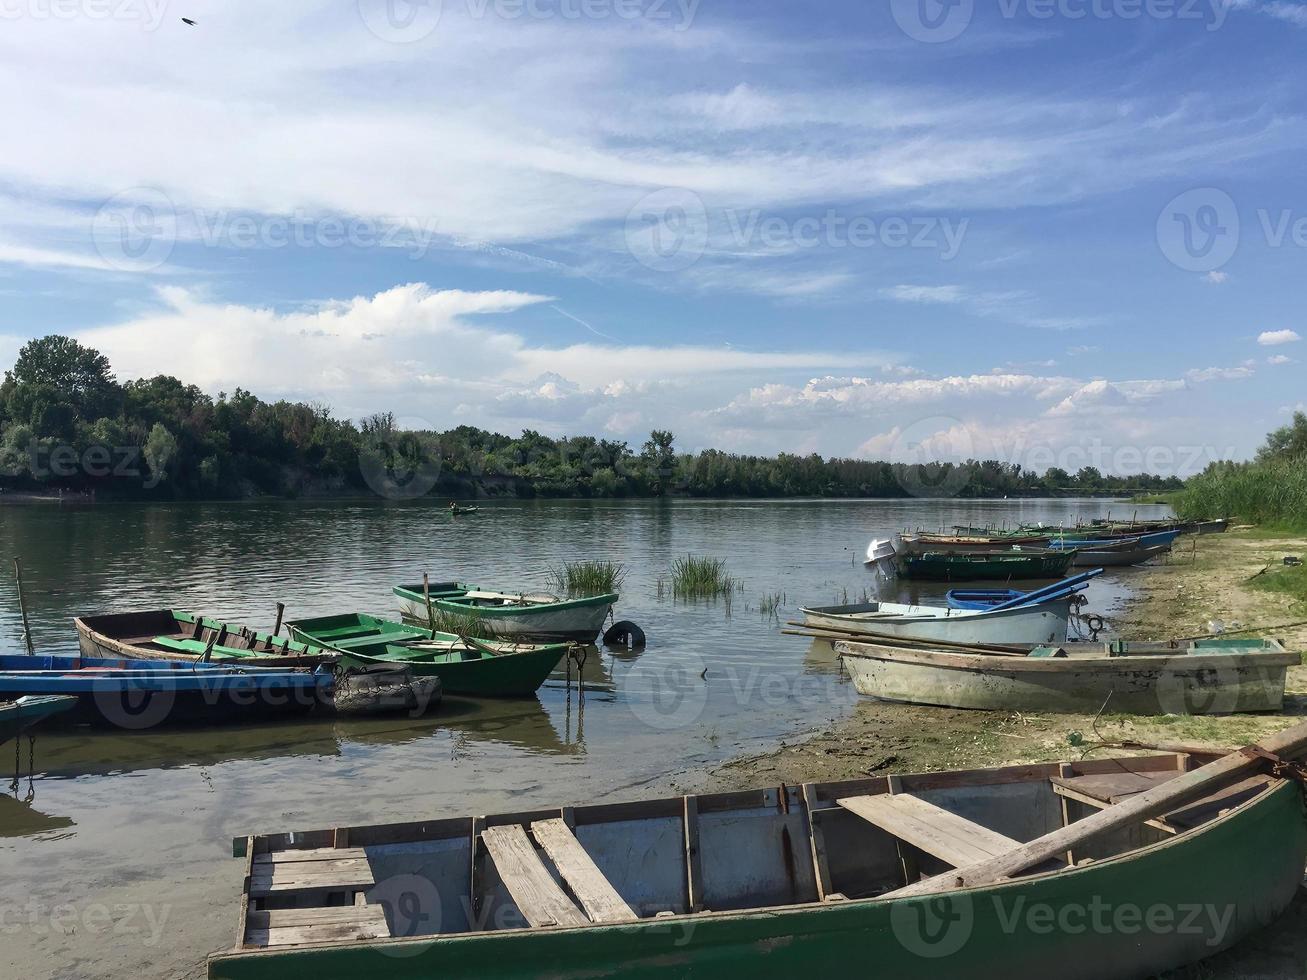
1057	232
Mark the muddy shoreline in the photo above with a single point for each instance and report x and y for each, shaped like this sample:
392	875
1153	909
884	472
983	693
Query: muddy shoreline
1206	579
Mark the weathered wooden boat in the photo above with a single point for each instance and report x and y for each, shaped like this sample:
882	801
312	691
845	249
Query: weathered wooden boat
974	566
481	668
139	694
1004	598
18	716
1098	869
920	544
455	508
1043	623
1211	527
1118	555
170	634
1220	676
508	614
1063	542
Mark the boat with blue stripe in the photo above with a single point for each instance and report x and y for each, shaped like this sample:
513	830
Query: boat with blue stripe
997	599
141	694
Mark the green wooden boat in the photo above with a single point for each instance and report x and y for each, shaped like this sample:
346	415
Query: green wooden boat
18	716
480	668
1091	870
509	614
1030	563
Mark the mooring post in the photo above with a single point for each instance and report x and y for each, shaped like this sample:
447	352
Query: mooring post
426	597
22	604
281	611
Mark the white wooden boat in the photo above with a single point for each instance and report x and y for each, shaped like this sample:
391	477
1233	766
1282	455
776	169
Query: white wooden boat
1183	678
1043	623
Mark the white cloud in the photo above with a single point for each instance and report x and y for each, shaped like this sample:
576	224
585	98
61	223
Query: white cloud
1199	375
1217	277
1279	359
1274	338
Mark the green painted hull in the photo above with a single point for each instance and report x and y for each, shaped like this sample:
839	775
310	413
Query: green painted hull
478	670
507	675
18	716
578	619
1123	917
947	567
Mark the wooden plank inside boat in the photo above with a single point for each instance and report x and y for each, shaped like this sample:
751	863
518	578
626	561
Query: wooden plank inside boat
596	894
534	891
321	870
291	927
940	833
1113	787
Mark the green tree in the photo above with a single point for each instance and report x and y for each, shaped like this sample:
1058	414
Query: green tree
1286	442
659	460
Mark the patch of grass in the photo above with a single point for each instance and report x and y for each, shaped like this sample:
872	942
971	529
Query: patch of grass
702	578
587	578
770	603
1291	581
1272	492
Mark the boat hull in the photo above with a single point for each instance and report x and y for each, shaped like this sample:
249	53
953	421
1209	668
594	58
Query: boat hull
1153	685
995	932
134	640
510	675
976	566
575	619
18	716
1118	558
1044	623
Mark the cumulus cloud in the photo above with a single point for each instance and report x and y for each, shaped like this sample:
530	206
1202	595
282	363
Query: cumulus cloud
1274	338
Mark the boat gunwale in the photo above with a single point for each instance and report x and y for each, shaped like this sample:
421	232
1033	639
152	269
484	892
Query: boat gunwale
1273	786
408	593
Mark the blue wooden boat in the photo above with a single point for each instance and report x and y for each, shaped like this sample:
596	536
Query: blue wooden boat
983	599
18	716
1155	540
141	694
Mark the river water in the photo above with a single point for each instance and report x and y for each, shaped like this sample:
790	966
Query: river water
115	858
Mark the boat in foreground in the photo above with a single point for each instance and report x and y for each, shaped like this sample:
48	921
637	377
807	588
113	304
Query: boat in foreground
139	694
984	599
170	634
18	716
944	874
1034	563
508	614
481	668
1042	623
1218	676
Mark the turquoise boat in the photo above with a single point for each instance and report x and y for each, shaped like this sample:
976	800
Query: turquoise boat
509	615
479	668
963	875
18	716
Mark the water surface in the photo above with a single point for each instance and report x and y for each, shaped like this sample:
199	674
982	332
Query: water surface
132	832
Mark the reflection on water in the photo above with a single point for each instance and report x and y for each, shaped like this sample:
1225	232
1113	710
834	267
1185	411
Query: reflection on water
149	816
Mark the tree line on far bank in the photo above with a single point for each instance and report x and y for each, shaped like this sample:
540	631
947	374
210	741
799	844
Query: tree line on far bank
68	425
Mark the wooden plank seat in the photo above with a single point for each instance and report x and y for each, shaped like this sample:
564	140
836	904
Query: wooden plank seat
323	870
196	647
596	894
395	636
334	924
1112	787
940	833
537	896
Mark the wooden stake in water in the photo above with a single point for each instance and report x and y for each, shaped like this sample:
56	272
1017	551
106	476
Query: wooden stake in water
22	604
281	611
426	597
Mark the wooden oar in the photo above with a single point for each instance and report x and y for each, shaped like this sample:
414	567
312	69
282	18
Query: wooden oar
1289	744
885	639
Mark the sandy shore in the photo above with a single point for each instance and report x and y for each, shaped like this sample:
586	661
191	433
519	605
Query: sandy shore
1207	578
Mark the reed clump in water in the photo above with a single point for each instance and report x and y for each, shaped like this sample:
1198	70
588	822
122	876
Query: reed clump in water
586	578
702	578
769	604
461	624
